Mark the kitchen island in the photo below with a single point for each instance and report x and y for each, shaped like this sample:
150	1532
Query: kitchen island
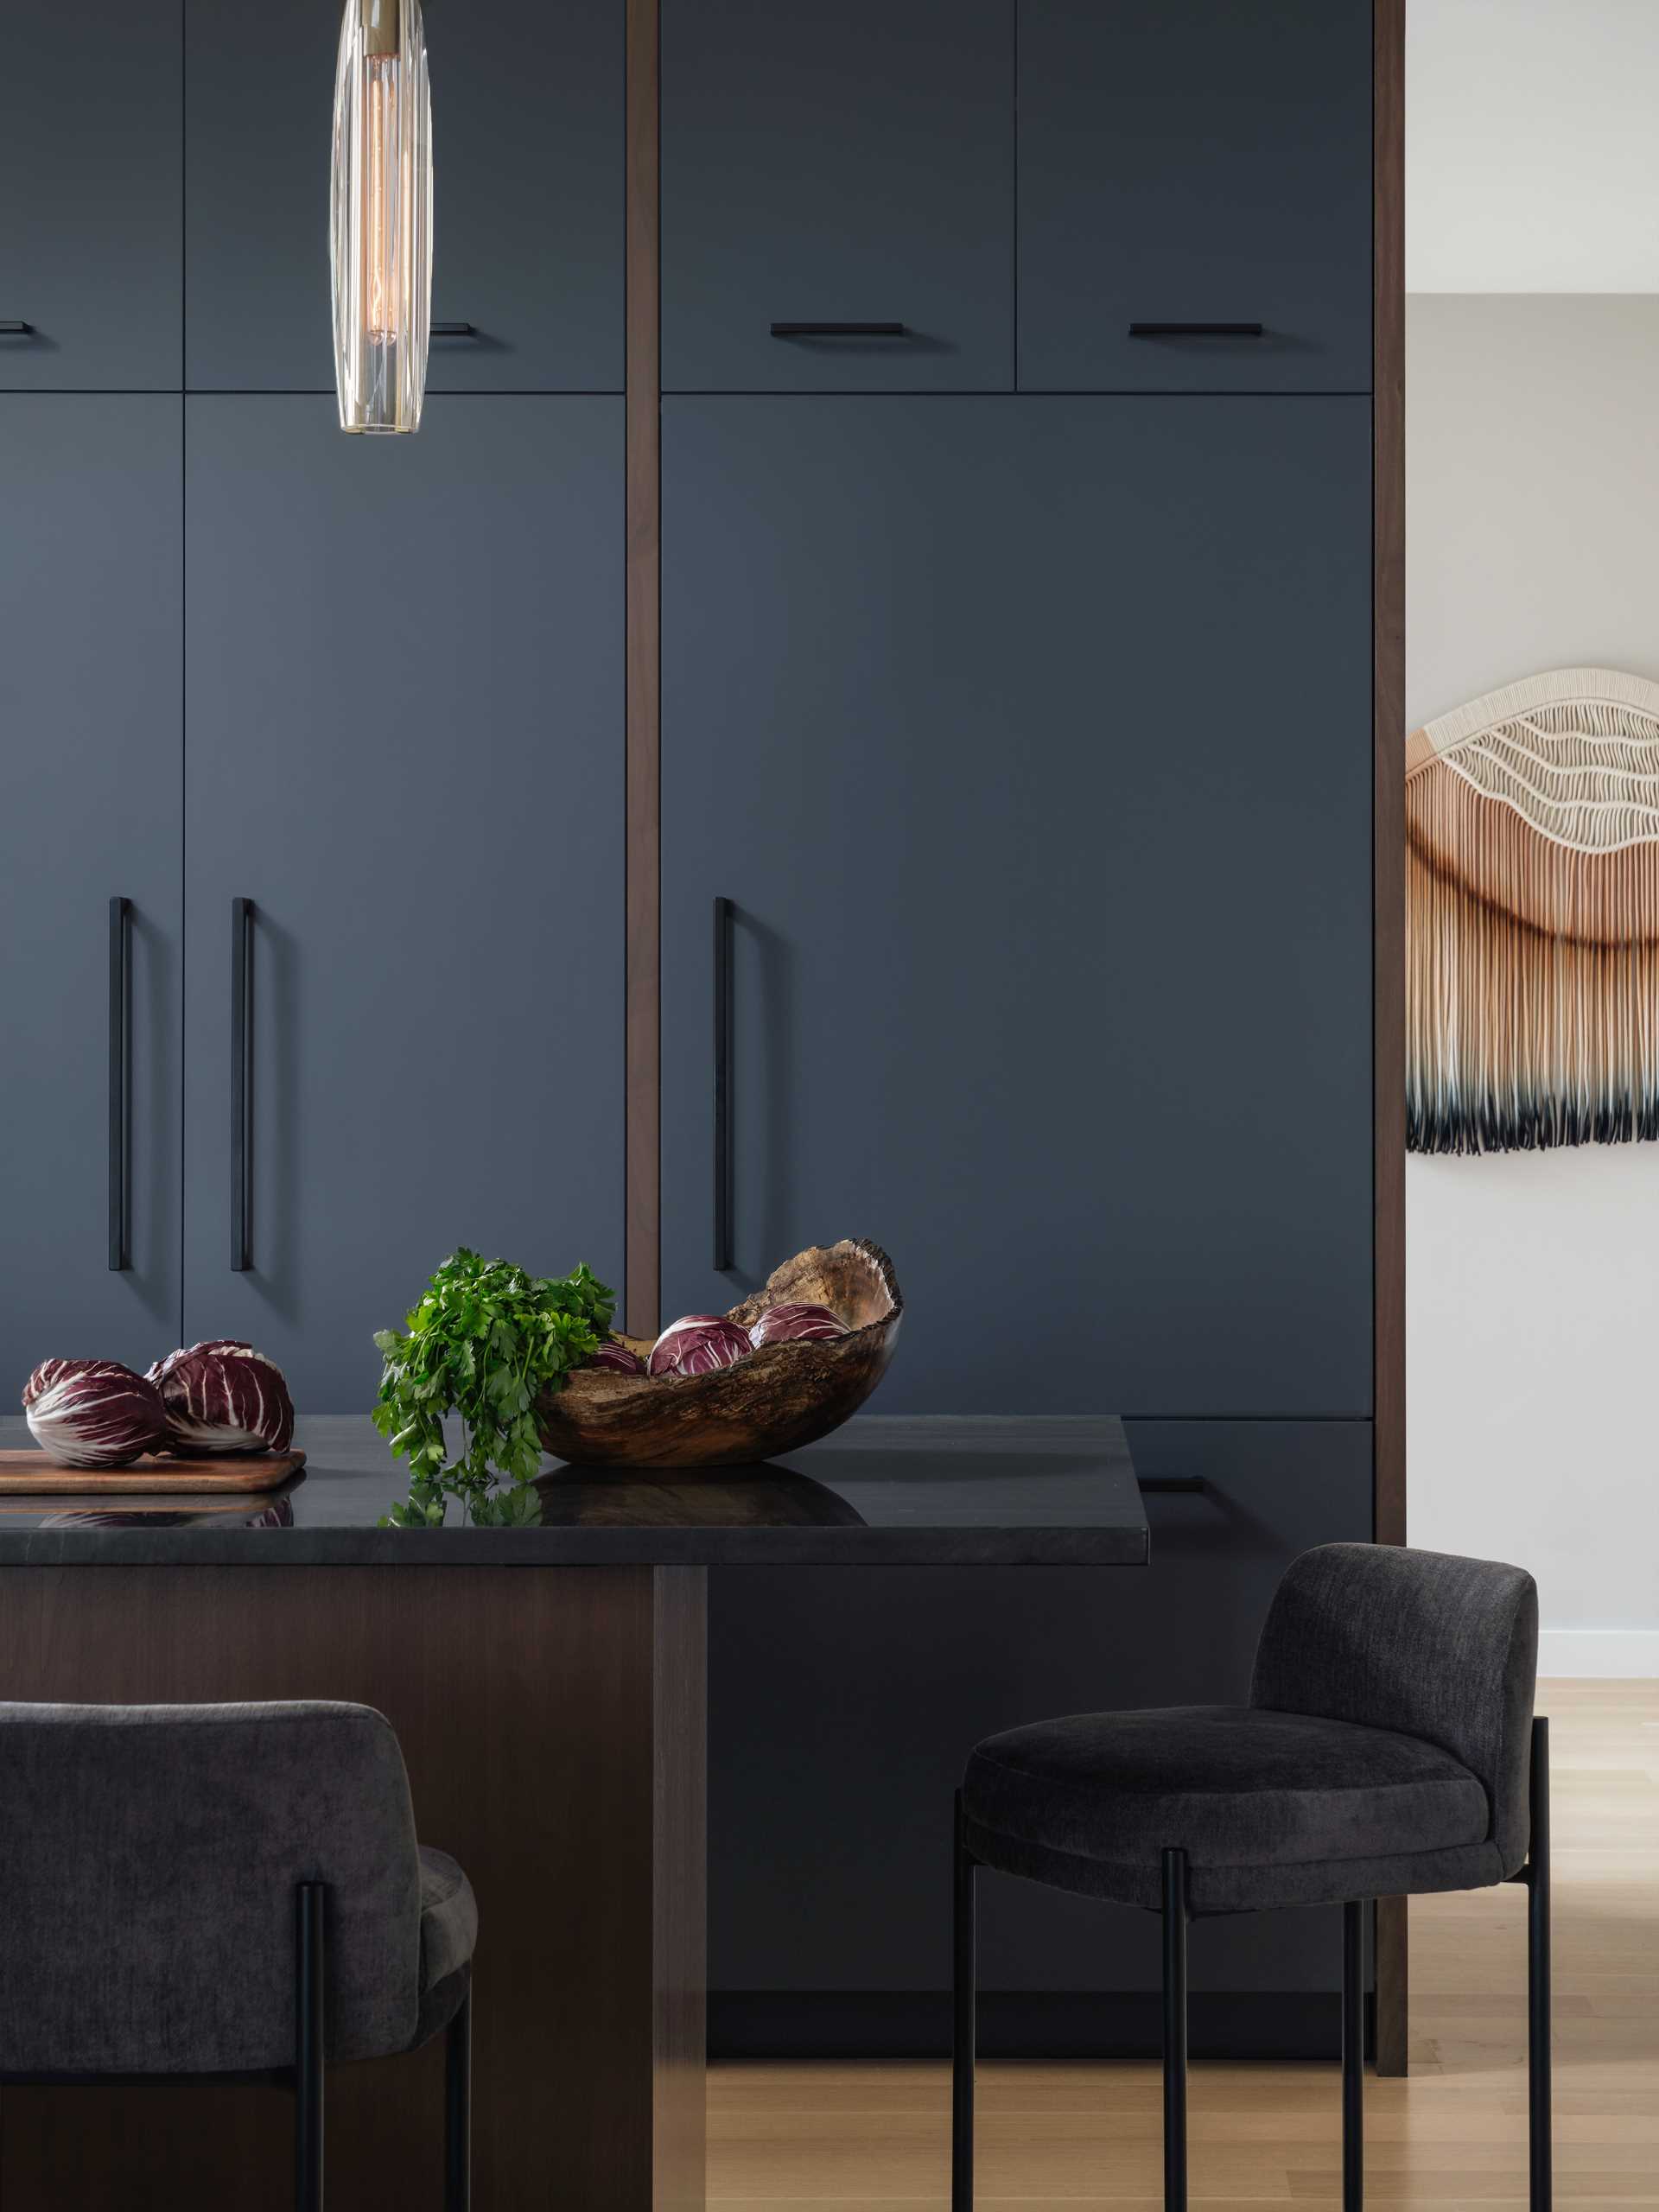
554	1725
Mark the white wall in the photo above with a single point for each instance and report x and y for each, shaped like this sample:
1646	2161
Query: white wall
1531	155
1532	505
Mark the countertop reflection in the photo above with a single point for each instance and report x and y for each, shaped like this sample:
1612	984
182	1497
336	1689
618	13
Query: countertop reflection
893	1491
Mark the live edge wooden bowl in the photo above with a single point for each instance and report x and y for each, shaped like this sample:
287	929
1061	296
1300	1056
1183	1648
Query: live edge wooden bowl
777	1399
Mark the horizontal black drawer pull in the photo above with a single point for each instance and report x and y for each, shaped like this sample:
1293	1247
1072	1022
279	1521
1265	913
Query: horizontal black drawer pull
455	330
1171	1485
1195	330
839	330
16	330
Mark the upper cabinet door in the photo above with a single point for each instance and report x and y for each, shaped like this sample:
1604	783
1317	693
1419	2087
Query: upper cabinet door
826	167
1192	164
527	194
91	170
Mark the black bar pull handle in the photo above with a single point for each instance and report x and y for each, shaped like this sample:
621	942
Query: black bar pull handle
16	330
241	1081
455	330
723	913
120	1084
840	330
1196	330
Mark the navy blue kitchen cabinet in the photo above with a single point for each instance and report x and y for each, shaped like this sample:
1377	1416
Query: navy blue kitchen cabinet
527	195
1031	744
90	607
1187	166
403	699
1016	692
844	1706
829	168
91	182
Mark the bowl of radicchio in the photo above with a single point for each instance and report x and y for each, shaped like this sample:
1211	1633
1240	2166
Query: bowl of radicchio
778	1371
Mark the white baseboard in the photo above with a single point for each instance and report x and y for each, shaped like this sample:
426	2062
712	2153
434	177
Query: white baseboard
1604	1654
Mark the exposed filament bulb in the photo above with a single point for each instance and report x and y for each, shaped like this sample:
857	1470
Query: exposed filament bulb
380	285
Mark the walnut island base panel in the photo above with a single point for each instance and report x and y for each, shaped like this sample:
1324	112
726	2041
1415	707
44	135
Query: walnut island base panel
552	1725
553	1722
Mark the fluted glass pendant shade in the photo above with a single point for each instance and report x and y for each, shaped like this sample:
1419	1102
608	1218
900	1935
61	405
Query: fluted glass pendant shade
380	232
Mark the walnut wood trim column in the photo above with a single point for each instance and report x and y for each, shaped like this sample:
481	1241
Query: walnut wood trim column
642	1091
1388	831
1389	818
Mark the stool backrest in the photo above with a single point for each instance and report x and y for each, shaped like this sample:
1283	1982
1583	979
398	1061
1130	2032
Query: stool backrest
148	1861
1422	1643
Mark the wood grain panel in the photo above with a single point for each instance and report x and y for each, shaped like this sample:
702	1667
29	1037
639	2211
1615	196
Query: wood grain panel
1388	863
552	1722
680	1908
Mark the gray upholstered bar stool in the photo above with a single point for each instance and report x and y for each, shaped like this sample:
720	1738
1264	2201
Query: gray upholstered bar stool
205	1891
1388	1749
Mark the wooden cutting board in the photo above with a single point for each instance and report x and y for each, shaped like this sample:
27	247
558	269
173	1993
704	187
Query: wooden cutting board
33	1473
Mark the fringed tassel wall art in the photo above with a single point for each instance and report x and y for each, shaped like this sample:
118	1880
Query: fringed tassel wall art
1532	931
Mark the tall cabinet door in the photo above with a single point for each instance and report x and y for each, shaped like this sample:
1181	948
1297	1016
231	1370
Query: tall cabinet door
91	585
404	684
1195	195
1039	778
91	182
527	199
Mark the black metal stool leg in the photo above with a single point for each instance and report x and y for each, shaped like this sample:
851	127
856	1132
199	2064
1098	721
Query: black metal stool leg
1353	2057
308	2047
1538	2052
1175	2031
962	2055
458	2110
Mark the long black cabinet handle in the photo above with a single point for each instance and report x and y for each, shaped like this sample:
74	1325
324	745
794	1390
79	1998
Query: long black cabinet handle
1196	330
455	330
840	330
120	1083
723	911
1171	1486
241	1081
16	330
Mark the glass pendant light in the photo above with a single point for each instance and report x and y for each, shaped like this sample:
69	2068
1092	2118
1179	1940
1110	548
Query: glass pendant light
380	231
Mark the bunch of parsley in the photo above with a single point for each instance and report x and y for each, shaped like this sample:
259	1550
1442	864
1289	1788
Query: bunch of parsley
484	1342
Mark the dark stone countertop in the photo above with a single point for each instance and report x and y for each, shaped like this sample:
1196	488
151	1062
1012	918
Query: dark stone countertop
922	1492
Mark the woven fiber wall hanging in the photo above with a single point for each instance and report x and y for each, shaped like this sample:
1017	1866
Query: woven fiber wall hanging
1532	917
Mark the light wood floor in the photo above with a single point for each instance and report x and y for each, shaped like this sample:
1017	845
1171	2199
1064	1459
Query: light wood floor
862	2138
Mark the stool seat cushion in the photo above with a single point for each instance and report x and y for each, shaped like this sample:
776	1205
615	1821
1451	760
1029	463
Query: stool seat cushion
1272	1808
